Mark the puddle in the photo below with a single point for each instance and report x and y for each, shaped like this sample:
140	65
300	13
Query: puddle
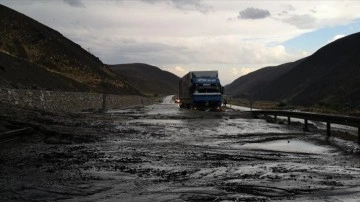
251	126
295	146
157	121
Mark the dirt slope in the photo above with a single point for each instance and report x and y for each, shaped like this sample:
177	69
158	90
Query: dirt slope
24	38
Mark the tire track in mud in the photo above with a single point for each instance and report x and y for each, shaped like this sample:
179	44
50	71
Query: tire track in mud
190	166
161	153
209	159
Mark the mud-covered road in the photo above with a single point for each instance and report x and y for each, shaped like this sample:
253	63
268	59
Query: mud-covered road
163	153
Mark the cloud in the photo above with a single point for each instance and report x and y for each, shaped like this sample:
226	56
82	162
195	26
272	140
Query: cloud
305	21
187	5
289	7
175	69
234	71
180	69
190	5
246	70
336	37
176	34
155	53
75	3
253	13
313	10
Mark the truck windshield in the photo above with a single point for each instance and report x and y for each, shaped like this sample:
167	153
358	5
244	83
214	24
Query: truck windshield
207	89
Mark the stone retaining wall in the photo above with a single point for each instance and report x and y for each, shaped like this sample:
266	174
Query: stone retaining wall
57	101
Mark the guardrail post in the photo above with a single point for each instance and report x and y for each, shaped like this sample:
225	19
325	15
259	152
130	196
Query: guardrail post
306	125
328	119
328	128
104	101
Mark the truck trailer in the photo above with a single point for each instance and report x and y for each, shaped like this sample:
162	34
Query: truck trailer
200	89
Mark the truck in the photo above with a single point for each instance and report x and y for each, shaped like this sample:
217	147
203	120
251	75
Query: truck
201	90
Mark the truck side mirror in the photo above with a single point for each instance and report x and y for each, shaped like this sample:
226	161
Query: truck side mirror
222	89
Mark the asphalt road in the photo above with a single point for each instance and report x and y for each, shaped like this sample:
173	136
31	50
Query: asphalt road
164	153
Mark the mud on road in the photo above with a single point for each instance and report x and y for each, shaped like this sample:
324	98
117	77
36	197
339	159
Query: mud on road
163	153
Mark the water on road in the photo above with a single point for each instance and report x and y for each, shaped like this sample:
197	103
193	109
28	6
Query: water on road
163	153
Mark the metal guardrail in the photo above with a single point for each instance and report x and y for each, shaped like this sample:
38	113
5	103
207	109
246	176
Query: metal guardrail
328	118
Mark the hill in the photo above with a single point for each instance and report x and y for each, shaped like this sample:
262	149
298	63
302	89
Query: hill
41	53
18	73
330	76
256	82
148	79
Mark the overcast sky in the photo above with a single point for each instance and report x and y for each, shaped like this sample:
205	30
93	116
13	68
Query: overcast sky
233	37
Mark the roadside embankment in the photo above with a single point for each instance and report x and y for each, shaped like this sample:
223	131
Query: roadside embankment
58	101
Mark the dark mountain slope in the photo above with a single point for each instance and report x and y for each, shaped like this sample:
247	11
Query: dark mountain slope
257	81
331	75
148	79
23	37
18	73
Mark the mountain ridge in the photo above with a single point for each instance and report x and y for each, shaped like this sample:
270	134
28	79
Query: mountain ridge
39	45
331	75
148	79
